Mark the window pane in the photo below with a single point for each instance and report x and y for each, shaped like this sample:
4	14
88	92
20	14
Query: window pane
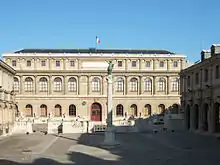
57	63
120	85
43	63
119	63
133	63
72	63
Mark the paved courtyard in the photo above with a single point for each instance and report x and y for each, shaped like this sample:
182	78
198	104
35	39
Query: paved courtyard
136	149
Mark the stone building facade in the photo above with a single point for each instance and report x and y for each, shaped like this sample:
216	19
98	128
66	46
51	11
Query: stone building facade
7	99
200	90
72	82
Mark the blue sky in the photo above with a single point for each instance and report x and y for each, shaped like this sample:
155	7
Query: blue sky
184	27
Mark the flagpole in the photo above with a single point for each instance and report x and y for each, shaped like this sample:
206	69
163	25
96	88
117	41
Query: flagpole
96	42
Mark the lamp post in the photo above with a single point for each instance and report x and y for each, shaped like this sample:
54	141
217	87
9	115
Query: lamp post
109	140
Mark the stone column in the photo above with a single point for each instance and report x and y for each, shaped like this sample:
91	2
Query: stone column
140	86
88	85
154	64
21	84
168	64
168	85
154	85
126	85
78	85
50	85
64	85
35	85
103	85
109	101
109	140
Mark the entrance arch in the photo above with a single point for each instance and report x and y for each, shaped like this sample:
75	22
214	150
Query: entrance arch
217	117
134	109
29	110
205	116
196	116
96	112
161	108
188	117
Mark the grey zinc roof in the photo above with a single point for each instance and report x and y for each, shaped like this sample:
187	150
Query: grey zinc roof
93	50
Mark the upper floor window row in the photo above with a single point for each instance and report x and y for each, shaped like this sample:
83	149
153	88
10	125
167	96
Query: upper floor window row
133	84
72	63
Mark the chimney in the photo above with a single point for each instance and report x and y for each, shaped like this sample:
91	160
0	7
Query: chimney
215	49
205	54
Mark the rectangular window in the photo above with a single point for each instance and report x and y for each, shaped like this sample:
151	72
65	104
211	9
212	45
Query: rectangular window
43	63
14	63
197	78
133	64
72	63
133	86
57	63
161	86
119	63
175	64
28	63
161	64
206	76
217	71
188	81
119	86
148	64
96	86
16	86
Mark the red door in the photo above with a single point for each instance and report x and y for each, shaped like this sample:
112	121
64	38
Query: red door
96	112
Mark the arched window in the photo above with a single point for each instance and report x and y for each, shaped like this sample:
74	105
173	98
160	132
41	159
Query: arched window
72	110
133	85
133	109
29	110
72	84
147	110
119	110
147	85
96	84
161	85
28	84
58	110
43	84
120	85
161	108
57	84
16	84
43	110
175	84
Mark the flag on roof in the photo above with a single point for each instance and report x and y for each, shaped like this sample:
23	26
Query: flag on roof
97	40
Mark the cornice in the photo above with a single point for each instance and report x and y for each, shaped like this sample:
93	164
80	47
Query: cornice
7	67
21	72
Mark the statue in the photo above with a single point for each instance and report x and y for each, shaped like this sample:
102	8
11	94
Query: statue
110	67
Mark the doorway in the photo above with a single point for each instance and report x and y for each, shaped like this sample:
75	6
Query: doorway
96	112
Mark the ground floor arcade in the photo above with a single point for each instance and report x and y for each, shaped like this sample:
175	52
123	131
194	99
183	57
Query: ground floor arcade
95	109
203	116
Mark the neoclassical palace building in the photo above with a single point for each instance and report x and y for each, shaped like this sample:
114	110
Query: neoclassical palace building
200	92
7	100
72	82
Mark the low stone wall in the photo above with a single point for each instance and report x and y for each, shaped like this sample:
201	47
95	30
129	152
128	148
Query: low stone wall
174	122
23	127
6	129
